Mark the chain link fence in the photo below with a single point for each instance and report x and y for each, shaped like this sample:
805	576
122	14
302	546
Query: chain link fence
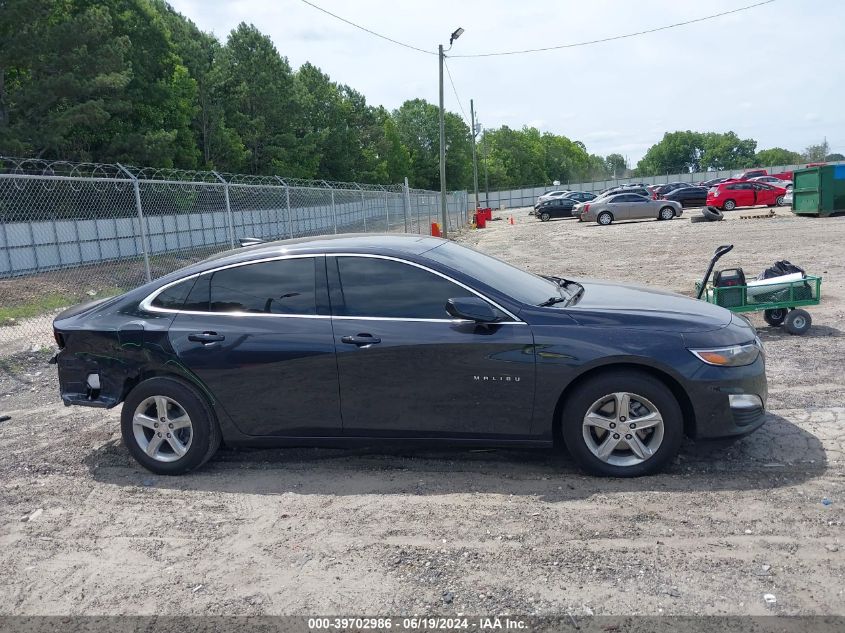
76	232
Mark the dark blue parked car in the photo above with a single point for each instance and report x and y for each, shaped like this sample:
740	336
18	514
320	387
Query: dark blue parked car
366	338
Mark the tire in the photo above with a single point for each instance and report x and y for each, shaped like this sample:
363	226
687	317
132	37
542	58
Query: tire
779	201
599	397
200	439
729	205
697	218
712	214
798	322
604	218
776	317
666	213
545	217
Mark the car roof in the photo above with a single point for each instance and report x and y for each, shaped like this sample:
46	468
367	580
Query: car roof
399	244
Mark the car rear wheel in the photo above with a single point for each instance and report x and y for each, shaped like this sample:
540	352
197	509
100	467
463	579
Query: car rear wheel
729	205
604	218
666	213
622	424
168	427
545	217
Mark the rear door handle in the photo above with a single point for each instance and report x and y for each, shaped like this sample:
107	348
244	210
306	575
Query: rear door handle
361	340
206	338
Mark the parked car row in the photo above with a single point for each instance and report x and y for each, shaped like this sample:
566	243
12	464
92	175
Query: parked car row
560	206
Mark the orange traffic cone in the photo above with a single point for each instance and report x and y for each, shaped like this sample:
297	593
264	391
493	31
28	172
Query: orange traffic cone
510	221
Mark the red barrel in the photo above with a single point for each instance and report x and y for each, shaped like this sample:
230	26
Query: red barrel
481	220
435	229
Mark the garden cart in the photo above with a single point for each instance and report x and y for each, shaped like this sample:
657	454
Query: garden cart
781	299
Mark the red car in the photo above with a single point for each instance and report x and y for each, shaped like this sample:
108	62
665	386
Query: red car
737	193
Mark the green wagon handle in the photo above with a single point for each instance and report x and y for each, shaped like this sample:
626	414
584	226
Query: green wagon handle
721	251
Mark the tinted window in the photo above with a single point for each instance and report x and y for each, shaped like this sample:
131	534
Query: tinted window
279	287
173	298
509	280
374	287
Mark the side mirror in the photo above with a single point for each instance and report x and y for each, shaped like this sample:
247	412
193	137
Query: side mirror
472	308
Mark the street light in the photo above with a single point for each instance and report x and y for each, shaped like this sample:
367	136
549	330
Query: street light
444	216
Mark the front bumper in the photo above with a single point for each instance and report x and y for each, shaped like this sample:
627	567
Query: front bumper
717	414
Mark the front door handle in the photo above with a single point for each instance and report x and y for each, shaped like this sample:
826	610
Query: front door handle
206	338
361	340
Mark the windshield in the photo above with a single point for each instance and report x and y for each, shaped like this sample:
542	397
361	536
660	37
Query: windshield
522	286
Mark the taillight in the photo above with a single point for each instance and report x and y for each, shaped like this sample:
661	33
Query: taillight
586	207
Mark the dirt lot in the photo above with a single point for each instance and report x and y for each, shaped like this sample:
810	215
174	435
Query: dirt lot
83	530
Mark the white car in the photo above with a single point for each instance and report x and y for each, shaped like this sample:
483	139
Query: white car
771	180
787	197
557	193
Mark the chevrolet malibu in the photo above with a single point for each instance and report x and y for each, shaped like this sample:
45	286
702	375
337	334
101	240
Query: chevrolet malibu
409	339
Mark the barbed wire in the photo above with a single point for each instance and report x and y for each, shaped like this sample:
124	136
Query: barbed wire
166	176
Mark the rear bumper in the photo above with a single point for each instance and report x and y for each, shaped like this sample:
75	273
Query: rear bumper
719	415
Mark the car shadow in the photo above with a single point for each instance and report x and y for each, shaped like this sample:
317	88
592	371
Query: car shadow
771	333
779	454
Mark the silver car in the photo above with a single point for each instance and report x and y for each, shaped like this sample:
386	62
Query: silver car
629	206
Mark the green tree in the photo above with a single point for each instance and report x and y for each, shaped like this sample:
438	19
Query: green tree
617	166
417	123
261	105
817	153
776	156
677	152
836	156
726	151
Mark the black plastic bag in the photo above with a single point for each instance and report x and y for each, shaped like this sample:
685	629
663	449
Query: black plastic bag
783	267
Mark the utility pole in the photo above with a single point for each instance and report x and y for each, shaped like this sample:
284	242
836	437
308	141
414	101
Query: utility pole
486	179
474	159
444	215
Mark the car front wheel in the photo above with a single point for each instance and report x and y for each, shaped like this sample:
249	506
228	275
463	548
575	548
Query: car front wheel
168	427
545	217
666	213
779	201
622	424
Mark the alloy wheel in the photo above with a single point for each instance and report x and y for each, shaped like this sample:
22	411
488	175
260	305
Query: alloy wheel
623	429
162	428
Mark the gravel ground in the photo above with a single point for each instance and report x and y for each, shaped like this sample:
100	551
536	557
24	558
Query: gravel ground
83	530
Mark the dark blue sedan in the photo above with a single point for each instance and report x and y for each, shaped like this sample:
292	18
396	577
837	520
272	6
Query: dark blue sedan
386	338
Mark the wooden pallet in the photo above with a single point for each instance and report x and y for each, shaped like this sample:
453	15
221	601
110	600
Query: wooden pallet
757	216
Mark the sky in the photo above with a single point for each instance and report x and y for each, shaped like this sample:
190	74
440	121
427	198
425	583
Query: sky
772	73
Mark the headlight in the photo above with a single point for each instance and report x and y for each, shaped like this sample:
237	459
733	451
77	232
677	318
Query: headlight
733	356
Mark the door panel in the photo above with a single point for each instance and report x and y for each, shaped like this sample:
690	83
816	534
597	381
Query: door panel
273	375
259	338
429	379
407	369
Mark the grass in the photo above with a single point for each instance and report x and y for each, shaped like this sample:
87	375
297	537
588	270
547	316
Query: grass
48	303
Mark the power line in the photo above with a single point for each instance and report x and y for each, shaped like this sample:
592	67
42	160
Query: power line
546	48
618	37
366	30
455	90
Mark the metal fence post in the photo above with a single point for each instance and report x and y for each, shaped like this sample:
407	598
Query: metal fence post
406	199
145	247
230	221
287	205
334	214
387	209
363	208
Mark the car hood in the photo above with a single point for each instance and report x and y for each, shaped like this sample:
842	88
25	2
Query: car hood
631	306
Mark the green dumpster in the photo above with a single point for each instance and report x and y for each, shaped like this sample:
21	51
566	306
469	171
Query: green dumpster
819	190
